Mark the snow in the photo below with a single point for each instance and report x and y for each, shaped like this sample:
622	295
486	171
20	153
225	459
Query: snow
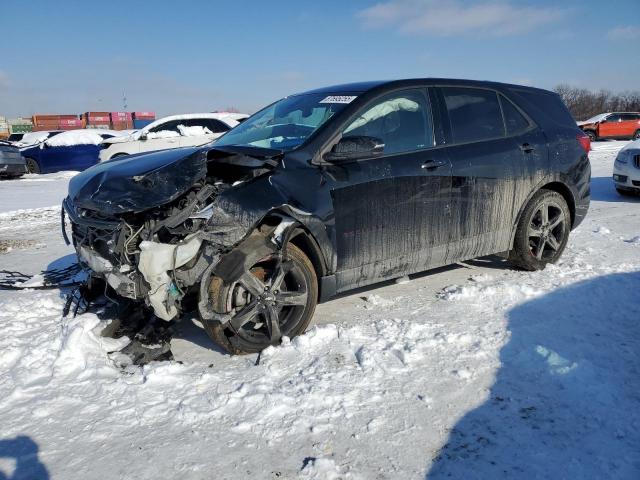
229	118
194	131
468	371
32	138
163	134
77	137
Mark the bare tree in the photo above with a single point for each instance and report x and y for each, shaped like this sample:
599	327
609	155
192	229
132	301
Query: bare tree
583	103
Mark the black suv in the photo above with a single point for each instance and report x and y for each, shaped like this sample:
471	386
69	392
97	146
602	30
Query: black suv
330	190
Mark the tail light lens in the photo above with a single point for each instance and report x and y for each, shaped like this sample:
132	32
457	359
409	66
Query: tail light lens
585	141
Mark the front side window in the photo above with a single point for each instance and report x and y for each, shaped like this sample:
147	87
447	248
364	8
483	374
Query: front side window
474	114
614	118
401	120
165	130
287	123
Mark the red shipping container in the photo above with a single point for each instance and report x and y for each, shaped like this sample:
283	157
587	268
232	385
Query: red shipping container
122	125
76	123
121	116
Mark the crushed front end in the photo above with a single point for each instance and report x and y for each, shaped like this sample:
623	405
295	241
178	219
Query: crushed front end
150	225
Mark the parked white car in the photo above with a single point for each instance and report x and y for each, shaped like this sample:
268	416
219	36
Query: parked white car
626	169
172	132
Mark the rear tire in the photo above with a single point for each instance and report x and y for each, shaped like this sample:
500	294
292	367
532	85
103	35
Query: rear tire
32	166
542	232
258	333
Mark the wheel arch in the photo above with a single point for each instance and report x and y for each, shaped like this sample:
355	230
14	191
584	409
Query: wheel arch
555	186
301	237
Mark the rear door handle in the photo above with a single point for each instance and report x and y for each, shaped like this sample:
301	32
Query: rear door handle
526	148
433	164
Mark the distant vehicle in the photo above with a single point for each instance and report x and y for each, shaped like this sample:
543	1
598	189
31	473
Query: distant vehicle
70	150
12	164
618	126
626	169
331	190
15	137
189	130
30	139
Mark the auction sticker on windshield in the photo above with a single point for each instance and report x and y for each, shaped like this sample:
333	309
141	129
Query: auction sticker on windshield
339	99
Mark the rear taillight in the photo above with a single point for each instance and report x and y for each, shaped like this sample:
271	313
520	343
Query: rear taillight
585	141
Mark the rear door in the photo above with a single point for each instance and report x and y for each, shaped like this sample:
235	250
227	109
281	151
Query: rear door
629	124
391	214
493	163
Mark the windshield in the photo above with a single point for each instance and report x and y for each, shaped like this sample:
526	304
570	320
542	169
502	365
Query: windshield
287	123
597	118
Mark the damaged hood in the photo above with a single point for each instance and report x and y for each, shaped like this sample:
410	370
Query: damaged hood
139	182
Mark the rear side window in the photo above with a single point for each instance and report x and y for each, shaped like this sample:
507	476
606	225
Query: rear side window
474	114
513	119
627	117
549	104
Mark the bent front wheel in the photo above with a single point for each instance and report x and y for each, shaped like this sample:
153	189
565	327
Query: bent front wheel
271	299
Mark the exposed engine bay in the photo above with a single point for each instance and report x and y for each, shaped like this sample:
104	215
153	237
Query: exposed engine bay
154	235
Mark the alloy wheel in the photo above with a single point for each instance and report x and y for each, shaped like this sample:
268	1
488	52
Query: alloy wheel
546	230
267	301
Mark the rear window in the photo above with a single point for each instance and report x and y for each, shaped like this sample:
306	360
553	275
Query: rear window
549	104
474	114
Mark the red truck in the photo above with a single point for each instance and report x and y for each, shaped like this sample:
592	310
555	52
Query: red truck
616	125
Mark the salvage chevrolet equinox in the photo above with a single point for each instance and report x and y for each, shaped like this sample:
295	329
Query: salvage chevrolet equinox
329	190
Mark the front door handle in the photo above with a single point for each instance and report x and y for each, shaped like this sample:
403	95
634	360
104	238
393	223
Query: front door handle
433	164
527	148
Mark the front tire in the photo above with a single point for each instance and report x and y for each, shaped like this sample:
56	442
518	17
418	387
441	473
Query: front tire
270	301
542	232
32	166
592	135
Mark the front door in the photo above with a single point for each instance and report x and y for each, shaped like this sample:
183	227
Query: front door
611	127
391	215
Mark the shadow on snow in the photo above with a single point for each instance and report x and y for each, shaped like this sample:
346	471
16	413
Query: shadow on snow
24	451
566	401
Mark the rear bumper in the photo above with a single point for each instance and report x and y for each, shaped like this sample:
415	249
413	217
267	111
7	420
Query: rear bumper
12	169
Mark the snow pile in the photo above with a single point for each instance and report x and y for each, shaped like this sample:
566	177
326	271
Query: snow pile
194	131
163	134
32	138
75	137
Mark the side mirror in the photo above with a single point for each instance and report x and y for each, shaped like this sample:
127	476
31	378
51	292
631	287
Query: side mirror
143	136
355	148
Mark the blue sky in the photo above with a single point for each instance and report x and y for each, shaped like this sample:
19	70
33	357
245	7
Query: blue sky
172	56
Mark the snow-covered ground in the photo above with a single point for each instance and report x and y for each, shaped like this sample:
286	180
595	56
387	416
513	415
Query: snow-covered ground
470	371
